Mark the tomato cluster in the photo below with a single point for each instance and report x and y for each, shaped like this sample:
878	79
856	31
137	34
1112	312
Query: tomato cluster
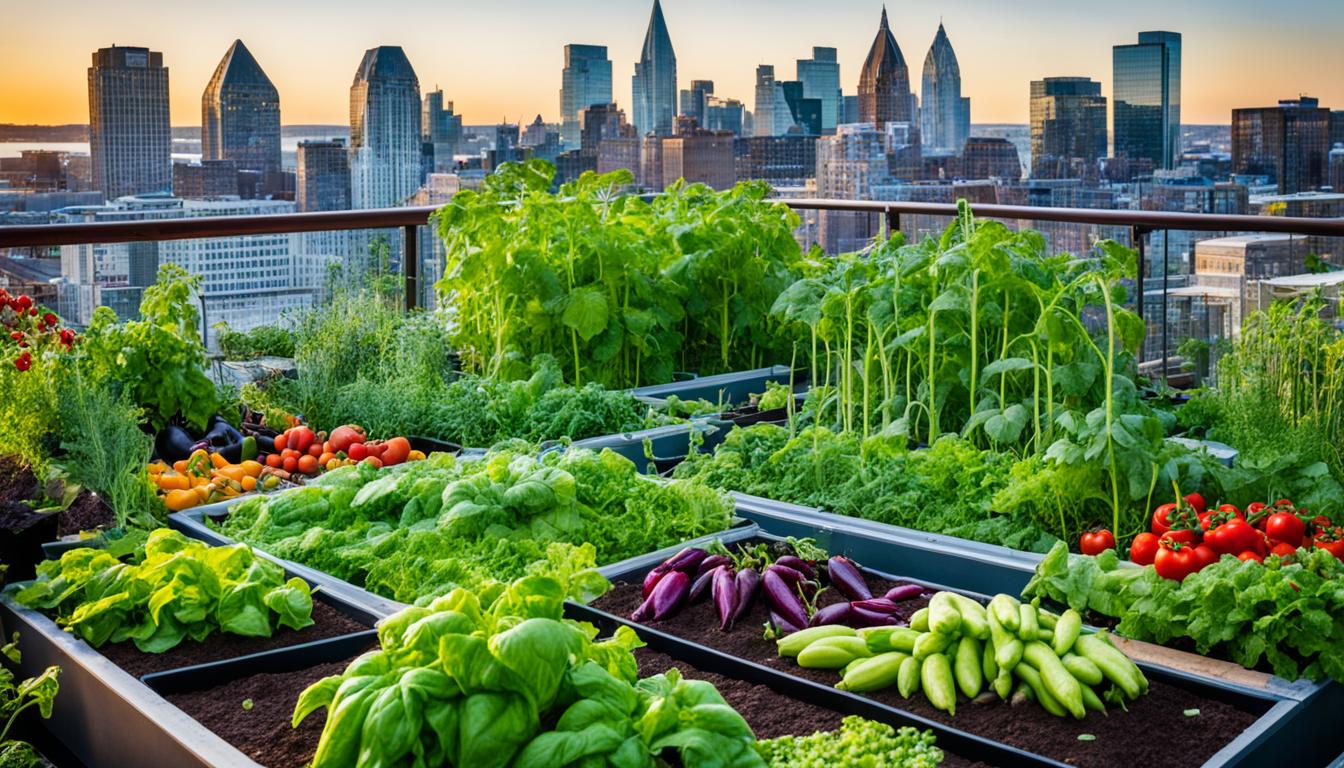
1185	536
299	450
28	329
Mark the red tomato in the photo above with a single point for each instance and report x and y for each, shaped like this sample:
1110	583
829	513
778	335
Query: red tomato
1205	557
281	439
1144	548
345	436
1197	501
1283	549
1183	535
315	450
290	464
1175	560
1331	540
301	438
1286	527
398	448
1160	522
1250	555
1231	537
358	451
273	460
376	448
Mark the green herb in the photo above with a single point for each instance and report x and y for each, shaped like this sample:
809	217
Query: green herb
16	697
261	341
856	742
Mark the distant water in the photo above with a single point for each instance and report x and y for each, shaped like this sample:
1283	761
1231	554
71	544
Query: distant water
185	149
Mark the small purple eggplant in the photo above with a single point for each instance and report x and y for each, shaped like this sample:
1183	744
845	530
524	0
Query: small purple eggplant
724	588
782	625
701	585
686	560
748	584
870	618
782	598
845	576
876	604
837	613
789	575
904	592
651	580
670	593
710	563
798	564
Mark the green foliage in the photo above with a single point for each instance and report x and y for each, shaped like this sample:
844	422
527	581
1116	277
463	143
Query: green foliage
416	531
857	742
1288	617
15	698
945	489
28	409
624	291
106	451
261	341
173	589
159	360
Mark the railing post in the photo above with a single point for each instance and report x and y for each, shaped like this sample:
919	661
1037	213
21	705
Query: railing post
410	265
893	221
1136	235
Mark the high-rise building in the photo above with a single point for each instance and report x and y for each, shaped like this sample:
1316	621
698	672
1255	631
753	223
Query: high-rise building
849	165
441	128
804	112
945	115
323	176
820	76
784	161
724	115
1289	143
385	151
1335	166
1068	127
771	116
206	179
990	158
850	106
130	140
654	85
1336	126
699	156
1146	98
240	114
884	83
695	100
585	80
600	123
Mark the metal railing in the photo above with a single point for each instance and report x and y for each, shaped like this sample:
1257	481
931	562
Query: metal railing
1139	223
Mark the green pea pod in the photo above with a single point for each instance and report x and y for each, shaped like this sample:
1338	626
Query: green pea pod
1085	670
1004	608
930	643
1092	701
974	617
1046	636
1027	627
1003	684
1068	628
919	620
1046	619
907	680
873	674
833	652
935	676
792	645
1114	665
884	639
966	667
1058	681
1028	674
944	617
1009	654
987	663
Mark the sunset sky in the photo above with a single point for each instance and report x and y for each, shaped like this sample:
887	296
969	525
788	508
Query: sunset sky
502	58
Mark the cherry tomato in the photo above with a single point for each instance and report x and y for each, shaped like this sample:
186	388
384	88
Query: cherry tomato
1197	501
1175	560
1250	555
1286	527
1283	549
1093	542
1205	556
1144	548
358	451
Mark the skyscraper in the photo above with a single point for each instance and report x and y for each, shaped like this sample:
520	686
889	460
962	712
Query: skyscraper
654	85
884	83
384	130
820	76
585	80
724	115
240	114
945	115
1146	96
695	100
849	164
771	116
441	129
804	112
1289	143
1068	127
130	141
323	182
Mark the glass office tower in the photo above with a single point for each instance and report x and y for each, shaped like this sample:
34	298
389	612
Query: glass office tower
1147	99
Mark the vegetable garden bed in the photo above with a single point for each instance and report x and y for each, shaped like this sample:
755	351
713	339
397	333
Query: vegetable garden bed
1233	722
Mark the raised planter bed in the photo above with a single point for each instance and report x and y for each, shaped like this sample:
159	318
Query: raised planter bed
1237	723
106	716
727	388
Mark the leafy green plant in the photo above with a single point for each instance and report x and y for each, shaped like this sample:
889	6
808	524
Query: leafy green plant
106	451
175	588
262	341
15	698
856	742
33	362
159	359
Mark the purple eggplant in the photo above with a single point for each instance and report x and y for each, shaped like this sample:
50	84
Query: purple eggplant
701	585
651	580
710	563
838	613
670	593
782	598
782	624
724	588
845	576
904	592
870	618
876	604
748	583
798	564
789	575
686	560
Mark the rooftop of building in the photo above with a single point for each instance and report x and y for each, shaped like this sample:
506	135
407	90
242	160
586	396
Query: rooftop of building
1297	197
1244	240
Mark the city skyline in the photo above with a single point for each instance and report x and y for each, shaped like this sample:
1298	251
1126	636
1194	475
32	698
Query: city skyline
1258	55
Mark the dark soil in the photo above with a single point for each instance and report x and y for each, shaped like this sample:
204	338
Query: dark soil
263	732
17	482
87	512
1028	727
328	622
